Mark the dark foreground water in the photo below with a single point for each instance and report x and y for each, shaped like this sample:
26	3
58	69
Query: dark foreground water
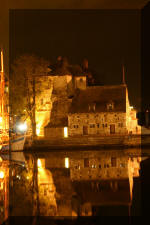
74	187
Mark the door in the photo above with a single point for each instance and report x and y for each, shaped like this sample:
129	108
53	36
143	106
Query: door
85	130
112	129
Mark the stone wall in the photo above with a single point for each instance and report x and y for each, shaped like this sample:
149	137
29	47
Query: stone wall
54	132
43	104
96	123
62	89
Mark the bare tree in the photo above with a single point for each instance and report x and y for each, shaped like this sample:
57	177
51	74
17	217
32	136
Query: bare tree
25	84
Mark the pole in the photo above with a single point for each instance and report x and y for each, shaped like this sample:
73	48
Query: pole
33	118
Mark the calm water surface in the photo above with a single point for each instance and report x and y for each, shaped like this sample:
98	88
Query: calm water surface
73	184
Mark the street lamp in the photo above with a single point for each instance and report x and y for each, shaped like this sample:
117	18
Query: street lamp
1	174
22	127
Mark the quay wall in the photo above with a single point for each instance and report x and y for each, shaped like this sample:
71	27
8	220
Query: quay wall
128	140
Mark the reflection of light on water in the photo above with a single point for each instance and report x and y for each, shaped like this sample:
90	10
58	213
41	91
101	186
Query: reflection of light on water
67	162
47	190
65	131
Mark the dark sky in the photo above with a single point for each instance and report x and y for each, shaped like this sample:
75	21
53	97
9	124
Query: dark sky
104	37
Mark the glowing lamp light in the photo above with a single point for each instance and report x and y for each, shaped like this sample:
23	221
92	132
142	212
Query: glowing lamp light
37	131
131	107
66	162
65	132
22	127
1	174
1	119
39	164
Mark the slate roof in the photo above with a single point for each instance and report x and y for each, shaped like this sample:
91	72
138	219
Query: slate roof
99	96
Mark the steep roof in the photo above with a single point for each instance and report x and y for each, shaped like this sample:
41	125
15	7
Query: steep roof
99	96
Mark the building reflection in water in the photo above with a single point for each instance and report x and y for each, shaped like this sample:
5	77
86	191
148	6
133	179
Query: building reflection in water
83	183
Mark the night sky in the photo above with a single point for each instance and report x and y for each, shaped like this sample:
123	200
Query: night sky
105	37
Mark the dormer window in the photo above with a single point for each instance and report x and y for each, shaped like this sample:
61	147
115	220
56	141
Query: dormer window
92	107
110	106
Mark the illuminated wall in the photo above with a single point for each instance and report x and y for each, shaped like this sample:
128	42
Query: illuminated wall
43	105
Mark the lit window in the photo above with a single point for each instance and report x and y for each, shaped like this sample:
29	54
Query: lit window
110	106
65	131
39	164
66	162
6	89
94	166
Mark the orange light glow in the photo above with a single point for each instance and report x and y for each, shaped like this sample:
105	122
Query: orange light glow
39	164
66	162
2	65
1	174
38	131
65	131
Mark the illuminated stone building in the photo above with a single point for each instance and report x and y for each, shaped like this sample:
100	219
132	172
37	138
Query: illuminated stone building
71	105
102	110
79	109
64	88
43	103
